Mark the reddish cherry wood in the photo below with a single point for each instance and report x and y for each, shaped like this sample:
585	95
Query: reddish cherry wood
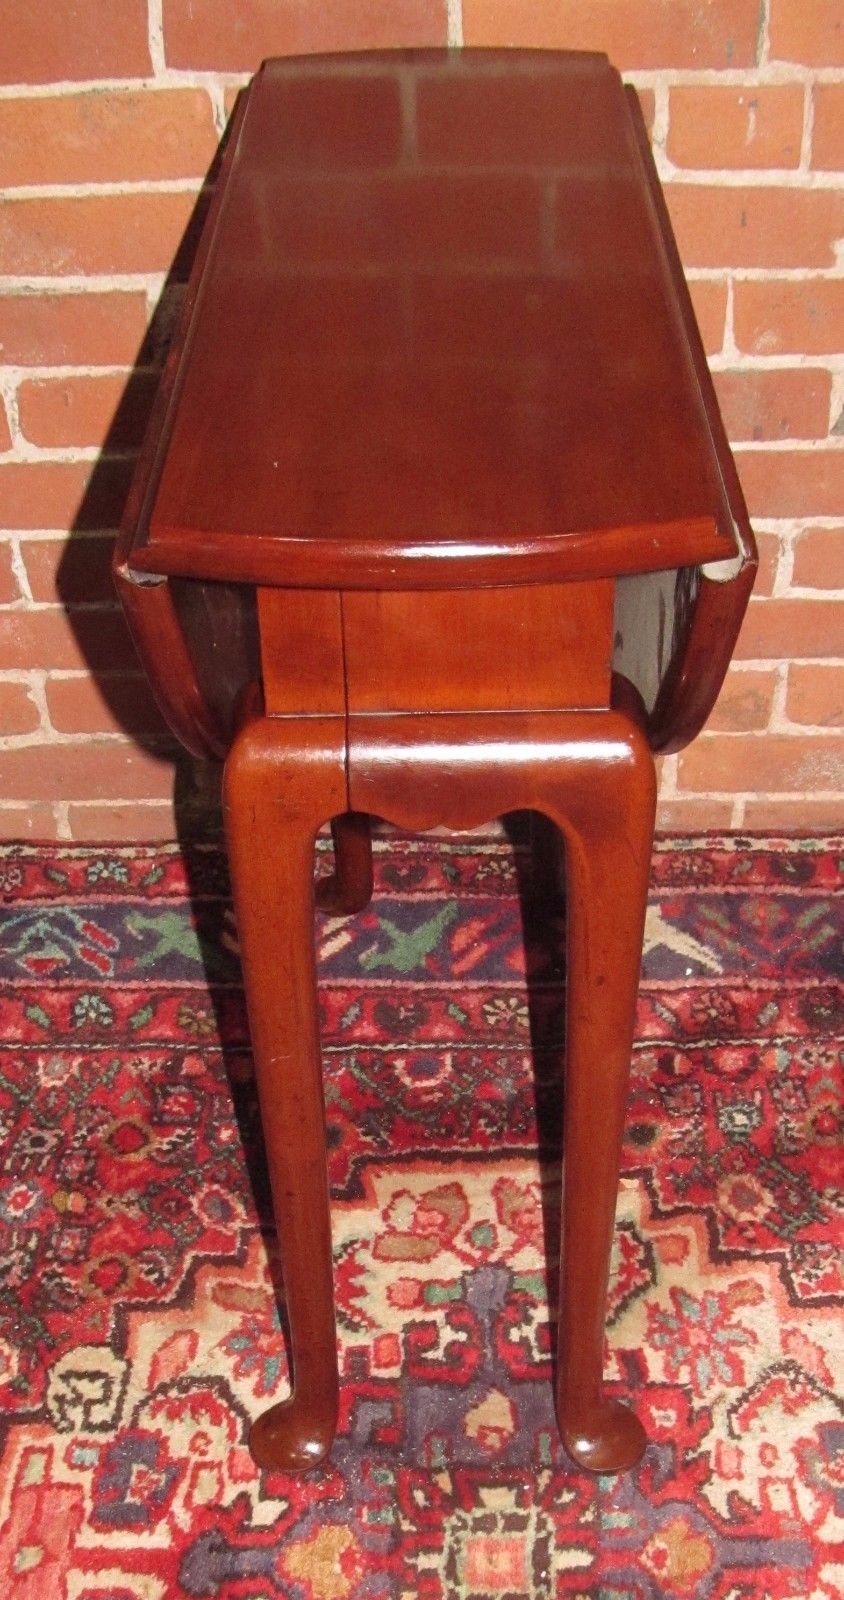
302	652
673	638
283	779
200	717
303	670
419	370
479	649
349	886
592	774
441	398
707	604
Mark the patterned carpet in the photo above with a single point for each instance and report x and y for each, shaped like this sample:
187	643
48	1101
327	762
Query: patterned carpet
138	1333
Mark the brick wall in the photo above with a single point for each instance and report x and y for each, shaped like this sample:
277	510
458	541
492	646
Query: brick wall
110	113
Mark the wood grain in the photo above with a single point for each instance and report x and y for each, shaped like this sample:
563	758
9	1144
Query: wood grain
411	372
535	648
445	404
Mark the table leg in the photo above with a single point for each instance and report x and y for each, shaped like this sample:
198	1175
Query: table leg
283	780
608	831
592	774
349	887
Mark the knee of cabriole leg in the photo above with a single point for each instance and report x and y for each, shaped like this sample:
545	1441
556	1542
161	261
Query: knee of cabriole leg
255	749
300	763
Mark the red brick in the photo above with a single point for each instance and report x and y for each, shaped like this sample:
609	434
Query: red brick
218	36
493	119
767	764
27	822
43	494
745	702
792	483
735	126
811	31
95	640
163	324
75	570
828	129
109	703
88	770
773	629
96	233
110	410
5	432
634	33
819	559
66	40
789	317
764	226
693	816
797	815
9	586
60	494
127	824
816	695
709	299
768	546
18	711
789	403
230	97
71	329
647	101
106	135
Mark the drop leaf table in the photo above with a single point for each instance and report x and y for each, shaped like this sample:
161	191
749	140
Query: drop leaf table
436	519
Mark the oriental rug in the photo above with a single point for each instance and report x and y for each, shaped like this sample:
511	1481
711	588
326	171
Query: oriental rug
138	1323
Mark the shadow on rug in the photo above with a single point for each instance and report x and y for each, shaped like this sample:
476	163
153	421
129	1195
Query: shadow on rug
138	1331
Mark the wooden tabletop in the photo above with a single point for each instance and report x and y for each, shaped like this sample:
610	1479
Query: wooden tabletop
438	339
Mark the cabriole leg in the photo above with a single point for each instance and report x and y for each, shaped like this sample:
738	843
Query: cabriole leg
349	887
607	823
592	774
282	781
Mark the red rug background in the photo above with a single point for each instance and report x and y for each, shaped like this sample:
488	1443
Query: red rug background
138	1329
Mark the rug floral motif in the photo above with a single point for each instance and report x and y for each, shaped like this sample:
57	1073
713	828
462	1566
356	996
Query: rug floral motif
139	1330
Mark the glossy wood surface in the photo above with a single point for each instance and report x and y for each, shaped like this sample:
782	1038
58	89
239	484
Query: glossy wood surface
708	604
419	361
285	777
438	393
349	887
197	713
591	774
302	651
533	648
